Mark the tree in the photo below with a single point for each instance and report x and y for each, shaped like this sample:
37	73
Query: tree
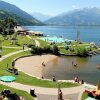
55	50
7	26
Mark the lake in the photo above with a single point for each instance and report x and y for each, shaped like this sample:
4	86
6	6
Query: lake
62	66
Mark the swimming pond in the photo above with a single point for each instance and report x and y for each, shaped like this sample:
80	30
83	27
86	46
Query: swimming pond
54	39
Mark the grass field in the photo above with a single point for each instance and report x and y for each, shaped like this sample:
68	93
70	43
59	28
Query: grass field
8	50
42	43
20	41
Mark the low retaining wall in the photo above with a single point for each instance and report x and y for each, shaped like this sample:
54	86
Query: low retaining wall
13	62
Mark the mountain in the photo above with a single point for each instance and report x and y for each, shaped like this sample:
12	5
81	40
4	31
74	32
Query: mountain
12	9
20	20
85	16
41	17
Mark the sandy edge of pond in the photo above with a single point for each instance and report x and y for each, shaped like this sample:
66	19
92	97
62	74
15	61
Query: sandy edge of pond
33	65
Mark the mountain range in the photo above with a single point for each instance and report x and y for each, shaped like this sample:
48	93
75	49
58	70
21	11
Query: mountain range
18	14
85	16
41	17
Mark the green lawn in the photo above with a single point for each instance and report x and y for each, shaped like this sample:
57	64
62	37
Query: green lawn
24	40
60	44
43	43
21	40
84	96
33	36
25	79
62	50
18	92
75	46
8	50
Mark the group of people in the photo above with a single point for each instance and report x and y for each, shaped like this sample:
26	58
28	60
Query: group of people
76	79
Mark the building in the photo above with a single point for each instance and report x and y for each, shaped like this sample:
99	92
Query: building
21	30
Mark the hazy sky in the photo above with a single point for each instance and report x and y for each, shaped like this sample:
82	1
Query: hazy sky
53	7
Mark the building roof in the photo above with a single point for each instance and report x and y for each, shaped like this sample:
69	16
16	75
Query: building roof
20	29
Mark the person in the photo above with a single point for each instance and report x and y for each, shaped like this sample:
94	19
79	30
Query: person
75	65
60	95
98	66
54	79
42	77
72	63
7	65
82	81
1	98
76	79
43	64
23	47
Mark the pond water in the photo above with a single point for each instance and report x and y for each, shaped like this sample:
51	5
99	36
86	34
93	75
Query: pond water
63	69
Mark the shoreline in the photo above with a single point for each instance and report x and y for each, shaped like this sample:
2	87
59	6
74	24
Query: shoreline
39	67
32	65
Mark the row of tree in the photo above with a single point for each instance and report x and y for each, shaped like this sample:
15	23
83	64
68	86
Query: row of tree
7	26
47	49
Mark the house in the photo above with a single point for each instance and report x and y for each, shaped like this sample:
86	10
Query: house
21	30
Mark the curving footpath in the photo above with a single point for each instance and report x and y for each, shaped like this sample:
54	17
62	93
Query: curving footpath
36	41
73	93
11	47
48	92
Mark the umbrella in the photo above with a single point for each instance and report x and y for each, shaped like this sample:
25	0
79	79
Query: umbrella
7	78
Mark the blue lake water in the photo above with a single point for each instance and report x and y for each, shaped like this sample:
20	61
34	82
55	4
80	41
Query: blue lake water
62	66
88	34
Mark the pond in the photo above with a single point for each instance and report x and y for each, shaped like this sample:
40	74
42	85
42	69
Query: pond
63	69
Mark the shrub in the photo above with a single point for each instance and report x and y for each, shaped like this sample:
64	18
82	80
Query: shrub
71	49
82	51
55	50
36	50
30	45
47	49
66	47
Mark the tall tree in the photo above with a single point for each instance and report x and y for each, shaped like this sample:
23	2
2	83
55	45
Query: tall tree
7	26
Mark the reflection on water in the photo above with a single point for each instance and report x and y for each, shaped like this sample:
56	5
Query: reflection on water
62	68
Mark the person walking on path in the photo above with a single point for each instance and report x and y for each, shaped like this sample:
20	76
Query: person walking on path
60	95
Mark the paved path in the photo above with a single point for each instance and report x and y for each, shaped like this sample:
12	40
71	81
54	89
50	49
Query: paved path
47	92
11	47
36	41
10	54
54	97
